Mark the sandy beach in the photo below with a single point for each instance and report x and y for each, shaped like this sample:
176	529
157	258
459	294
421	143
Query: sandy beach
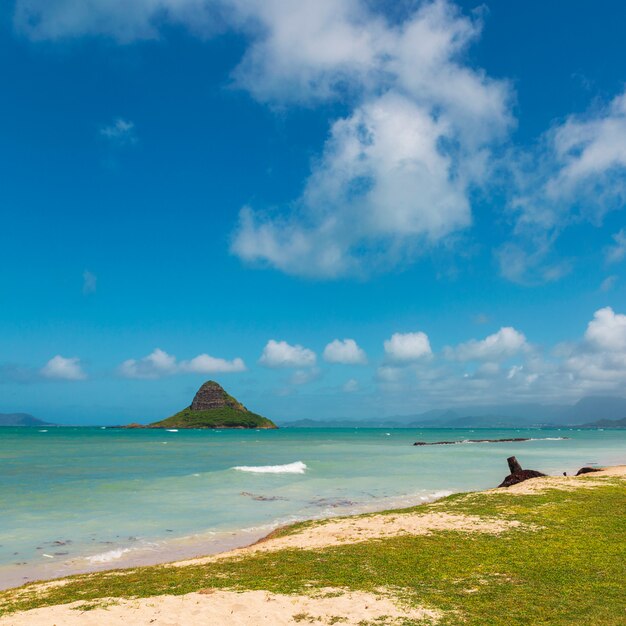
326	605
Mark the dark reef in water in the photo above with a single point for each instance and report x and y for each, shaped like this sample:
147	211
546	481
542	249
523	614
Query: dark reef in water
447	443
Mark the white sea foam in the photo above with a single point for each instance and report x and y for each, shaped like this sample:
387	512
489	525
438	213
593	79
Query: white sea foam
290	468
469	441
107	557
549	439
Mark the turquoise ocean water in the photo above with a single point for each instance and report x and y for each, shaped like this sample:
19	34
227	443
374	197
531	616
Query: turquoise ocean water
79	499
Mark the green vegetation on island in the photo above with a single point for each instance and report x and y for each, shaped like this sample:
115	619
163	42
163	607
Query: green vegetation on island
215	418
212	407
564	564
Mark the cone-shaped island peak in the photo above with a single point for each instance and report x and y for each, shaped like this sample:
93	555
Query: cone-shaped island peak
213	407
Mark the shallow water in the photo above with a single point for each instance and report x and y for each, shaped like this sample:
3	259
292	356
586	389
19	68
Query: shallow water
78	499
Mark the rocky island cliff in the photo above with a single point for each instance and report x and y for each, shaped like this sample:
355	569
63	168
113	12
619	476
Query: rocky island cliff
212	407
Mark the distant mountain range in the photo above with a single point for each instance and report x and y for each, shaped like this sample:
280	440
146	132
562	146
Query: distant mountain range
21	419
586	410
606	424
589	412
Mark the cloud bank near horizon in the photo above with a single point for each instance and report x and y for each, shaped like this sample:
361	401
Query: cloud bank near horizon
502	365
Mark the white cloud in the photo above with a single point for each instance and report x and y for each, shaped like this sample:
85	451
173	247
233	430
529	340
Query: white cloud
608	283
346	351
597	363
607	331
121	20
616	252
282	354
395	173
501	345
577	174
206	364
90	282
389	374
62	368
381	183
408	347
488	370
302	377
514	371
159	364
351	385
530	260
120	131
421	133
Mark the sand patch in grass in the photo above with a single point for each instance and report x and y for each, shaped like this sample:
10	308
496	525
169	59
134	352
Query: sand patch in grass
348	530
231	608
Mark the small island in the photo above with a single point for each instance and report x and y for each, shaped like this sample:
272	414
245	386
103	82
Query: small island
212	407
21	419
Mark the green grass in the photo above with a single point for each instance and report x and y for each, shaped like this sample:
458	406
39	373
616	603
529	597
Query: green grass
566	565
224	417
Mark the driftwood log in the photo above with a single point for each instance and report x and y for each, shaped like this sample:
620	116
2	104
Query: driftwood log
518	474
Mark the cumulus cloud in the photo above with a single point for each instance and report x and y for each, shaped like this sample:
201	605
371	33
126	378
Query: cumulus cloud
63	368
616	252
577	174
302	377
607	331
159	364
206	364
422	131
396	173
346	351
608	283
351	385
123	21
598	362
408	346
120	132
506	343
281	354
388	374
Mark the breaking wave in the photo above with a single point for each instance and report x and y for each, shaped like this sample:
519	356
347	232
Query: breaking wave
107	557
290	468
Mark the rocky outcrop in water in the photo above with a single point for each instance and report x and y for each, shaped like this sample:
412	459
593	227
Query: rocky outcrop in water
212	407
447	443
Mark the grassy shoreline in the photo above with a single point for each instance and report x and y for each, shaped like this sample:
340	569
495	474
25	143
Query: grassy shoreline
551	553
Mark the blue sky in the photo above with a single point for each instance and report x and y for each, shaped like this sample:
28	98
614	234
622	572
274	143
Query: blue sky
222	189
